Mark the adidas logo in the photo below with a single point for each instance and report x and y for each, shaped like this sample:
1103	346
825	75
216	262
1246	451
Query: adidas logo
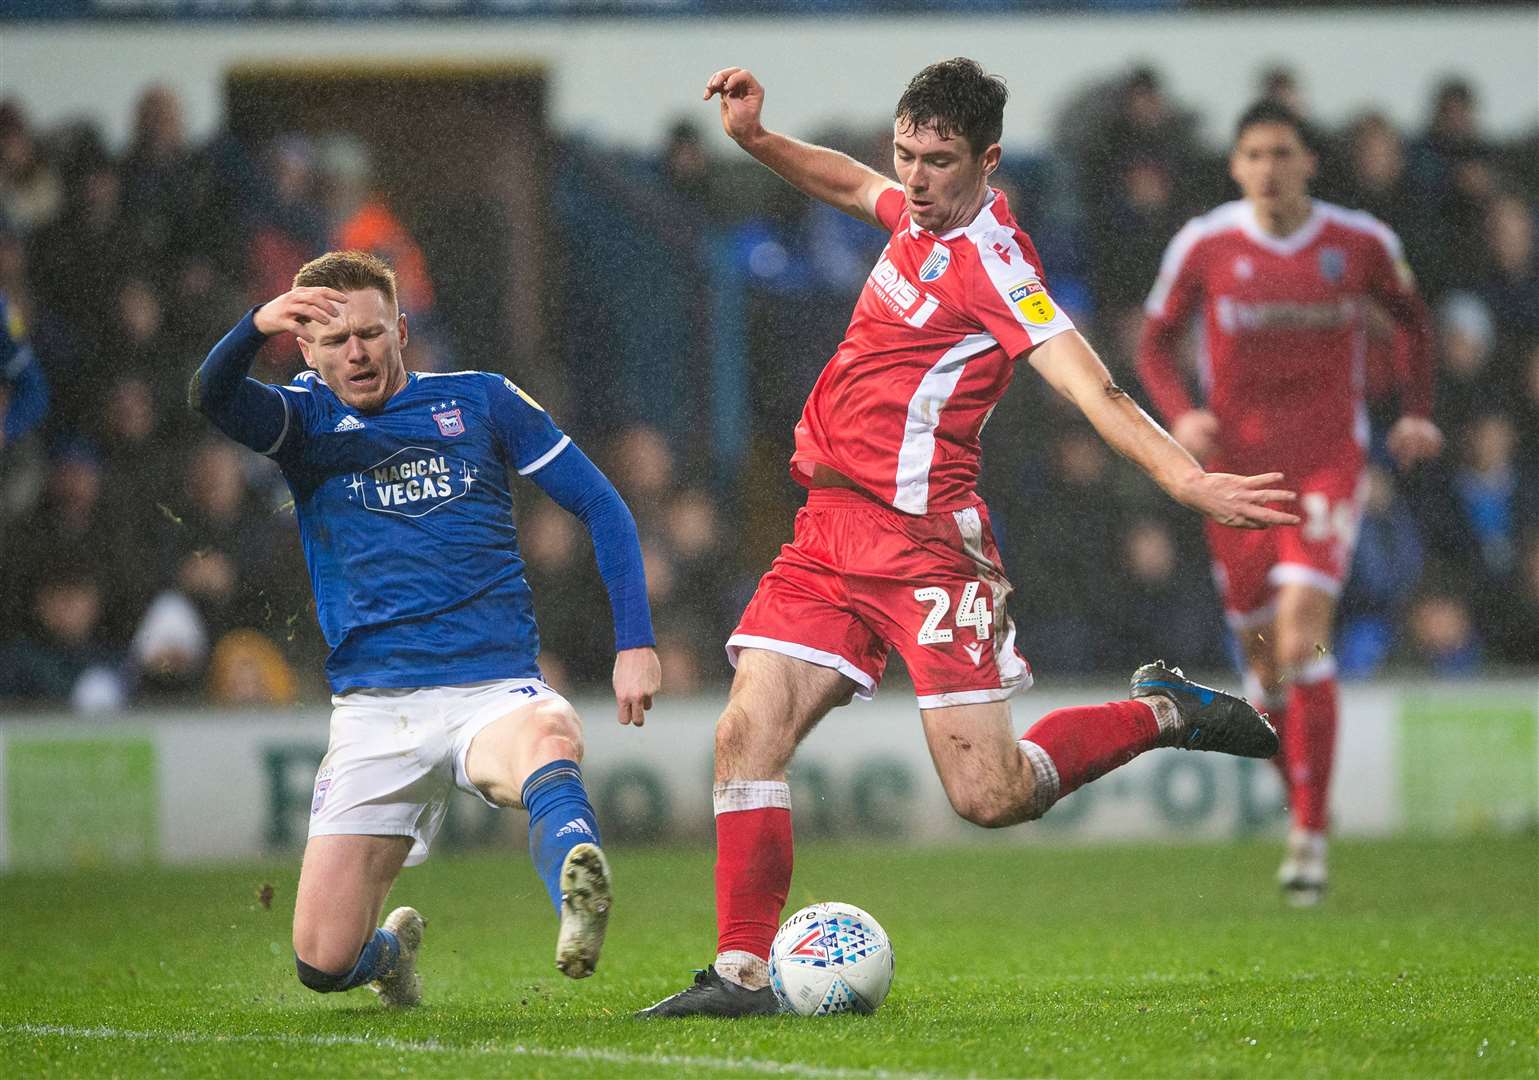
575	825
349	423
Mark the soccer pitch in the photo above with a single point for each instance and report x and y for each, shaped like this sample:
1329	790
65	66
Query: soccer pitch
1011	961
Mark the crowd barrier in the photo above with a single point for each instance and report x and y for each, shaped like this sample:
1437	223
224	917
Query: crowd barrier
204	786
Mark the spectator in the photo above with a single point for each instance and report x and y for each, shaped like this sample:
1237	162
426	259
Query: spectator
1144	125
248	669
62	658
1455	169
1164	599
361	219
23	390
31	193
567	592
1486	486
1443	641
1385	569
288	227
1511	285
165	196
1376	180
1466	340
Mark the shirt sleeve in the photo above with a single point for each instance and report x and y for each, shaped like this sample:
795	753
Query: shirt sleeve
1168	313
249	411
889	208
1010	298
529	436
1391	283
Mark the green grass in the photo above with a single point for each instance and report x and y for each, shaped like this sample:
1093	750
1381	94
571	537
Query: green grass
1012	961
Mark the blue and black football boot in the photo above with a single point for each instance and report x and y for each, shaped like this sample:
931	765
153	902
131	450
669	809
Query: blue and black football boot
1210	719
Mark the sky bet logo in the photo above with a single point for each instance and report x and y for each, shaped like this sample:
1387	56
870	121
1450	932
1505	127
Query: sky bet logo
412	482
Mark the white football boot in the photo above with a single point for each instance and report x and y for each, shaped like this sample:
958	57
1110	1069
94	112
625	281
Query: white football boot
585	900
401	987
1302	873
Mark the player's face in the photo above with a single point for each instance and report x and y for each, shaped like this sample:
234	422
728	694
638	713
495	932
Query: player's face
943	180
359	352
1272	165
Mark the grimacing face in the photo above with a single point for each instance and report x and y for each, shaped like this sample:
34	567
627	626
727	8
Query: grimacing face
358	353
944	182
1272	166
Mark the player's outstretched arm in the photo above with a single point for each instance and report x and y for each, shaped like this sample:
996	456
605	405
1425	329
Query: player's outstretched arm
579	487
1072	368
251	412
825	174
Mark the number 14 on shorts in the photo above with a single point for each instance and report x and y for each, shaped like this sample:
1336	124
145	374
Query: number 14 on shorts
972	610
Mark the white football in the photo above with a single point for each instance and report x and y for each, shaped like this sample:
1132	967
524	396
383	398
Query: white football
830	958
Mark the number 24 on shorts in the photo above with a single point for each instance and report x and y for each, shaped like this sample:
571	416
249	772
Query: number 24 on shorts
973	611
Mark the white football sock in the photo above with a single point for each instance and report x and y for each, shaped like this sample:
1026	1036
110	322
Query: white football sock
743	968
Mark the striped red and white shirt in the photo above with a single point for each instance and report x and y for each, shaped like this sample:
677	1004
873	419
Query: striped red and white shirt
929	352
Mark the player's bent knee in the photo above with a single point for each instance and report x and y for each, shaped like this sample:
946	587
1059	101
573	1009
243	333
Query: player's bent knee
990	812
322	982
556	727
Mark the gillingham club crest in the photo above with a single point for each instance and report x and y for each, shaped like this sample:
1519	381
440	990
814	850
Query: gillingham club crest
935	265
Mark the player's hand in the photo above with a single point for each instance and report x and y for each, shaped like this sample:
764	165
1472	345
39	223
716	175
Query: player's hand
296	309
1413	439
742	100
637	677
1240	501
1197	432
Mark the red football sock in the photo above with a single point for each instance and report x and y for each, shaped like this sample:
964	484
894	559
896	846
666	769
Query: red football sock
753	863
1088	741
1309	743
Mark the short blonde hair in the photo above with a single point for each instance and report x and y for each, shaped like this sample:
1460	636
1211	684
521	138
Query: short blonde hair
346	270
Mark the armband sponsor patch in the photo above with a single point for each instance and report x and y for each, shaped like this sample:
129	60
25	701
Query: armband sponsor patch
531	402
1032	301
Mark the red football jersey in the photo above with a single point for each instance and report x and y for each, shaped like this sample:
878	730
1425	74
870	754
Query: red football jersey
1283	341
929	352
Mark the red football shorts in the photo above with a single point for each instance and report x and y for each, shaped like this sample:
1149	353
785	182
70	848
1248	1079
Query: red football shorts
1249	564
859	579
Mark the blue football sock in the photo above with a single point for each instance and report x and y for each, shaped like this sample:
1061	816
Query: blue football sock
560	818
377	958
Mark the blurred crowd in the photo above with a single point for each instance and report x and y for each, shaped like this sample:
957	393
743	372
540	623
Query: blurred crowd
143	558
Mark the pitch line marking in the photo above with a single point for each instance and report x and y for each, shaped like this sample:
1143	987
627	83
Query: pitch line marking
612	1057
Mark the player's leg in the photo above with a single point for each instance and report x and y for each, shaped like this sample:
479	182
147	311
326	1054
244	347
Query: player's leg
1265	686
775	701
994	779
531	757
958	642
1312	560
1305	615
378	802
337	946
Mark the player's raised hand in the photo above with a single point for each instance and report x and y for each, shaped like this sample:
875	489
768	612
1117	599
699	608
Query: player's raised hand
1240	501
1197	432
297	309
637	677
742	100
1413	439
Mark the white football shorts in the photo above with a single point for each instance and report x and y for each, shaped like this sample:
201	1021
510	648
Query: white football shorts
394	754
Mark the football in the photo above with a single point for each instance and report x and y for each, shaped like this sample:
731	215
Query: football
830	958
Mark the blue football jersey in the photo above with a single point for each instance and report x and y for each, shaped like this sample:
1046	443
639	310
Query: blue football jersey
407	526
